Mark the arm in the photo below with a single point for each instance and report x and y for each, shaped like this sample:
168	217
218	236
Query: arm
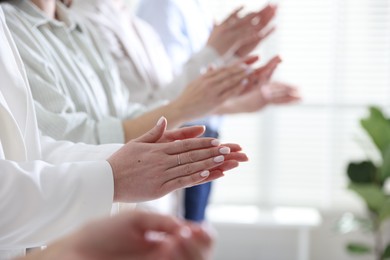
41	201
134	236
57	114
198	99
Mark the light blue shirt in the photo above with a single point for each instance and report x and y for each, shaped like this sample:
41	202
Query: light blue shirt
184	27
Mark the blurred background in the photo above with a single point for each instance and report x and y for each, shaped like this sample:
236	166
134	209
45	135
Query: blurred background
284	203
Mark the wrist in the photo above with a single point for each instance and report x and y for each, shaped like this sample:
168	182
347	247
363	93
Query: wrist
176	113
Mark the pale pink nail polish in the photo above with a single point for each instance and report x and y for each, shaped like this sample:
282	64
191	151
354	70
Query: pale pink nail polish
215	142
224	150
161	120
219	159
185	232
205	174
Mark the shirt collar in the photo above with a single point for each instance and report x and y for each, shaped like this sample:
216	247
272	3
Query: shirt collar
38	18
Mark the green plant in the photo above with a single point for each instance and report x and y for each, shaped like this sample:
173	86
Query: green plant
367	179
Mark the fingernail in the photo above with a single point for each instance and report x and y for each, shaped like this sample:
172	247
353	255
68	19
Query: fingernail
161	120
248	70
215	142
205	174
185	232
219	159
224	150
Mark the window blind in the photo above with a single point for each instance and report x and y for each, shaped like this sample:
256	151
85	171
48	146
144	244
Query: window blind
338	53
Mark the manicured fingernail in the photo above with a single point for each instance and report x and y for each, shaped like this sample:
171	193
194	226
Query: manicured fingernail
249	70
205	174
219	159
215	142
244	82
185	232
224	150
161	120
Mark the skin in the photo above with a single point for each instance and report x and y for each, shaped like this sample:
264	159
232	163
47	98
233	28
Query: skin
157	170
124	236
200	98
238	35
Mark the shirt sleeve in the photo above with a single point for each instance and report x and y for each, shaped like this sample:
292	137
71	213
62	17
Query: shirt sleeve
165	16
191	70
42	201
56	113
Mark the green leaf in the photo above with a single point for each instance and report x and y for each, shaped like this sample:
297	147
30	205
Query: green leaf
358	248
350	223
385	169
378	128
386	253
371	194
384	212
362	172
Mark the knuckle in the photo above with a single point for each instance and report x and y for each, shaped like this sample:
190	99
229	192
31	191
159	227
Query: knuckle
186	144
187	169
191	156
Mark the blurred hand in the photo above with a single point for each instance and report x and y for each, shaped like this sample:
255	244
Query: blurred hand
261	96
133	236
240	35
211	89
144	169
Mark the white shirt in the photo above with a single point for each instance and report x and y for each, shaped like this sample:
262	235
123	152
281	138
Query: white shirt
144	65
184	27
47	188
74	81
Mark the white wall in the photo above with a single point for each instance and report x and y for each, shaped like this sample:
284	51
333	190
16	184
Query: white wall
254	242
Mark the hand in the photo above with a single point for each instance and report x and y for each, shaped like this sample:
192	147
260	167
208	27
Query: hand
134	236
263	75
232	161
144	169
240	35
260	21
210	90
261	96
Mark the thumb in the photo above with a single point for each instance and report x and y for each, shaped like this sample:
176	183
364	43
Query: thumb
154	134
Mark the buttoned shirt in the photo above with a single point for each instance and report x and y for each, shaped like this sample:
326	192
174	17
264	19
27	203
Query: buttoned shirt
74	81
144	65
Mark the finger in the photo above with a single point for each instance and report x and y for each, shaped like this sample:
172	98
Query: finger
236	87
233	147
227	73
248	60
198	155
155	133
190	169
286	100
184	133
226	166
240	157
267	70
185	181
234	84
243	23
233	16
214	175
262	35
148	221
266	15
186	145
